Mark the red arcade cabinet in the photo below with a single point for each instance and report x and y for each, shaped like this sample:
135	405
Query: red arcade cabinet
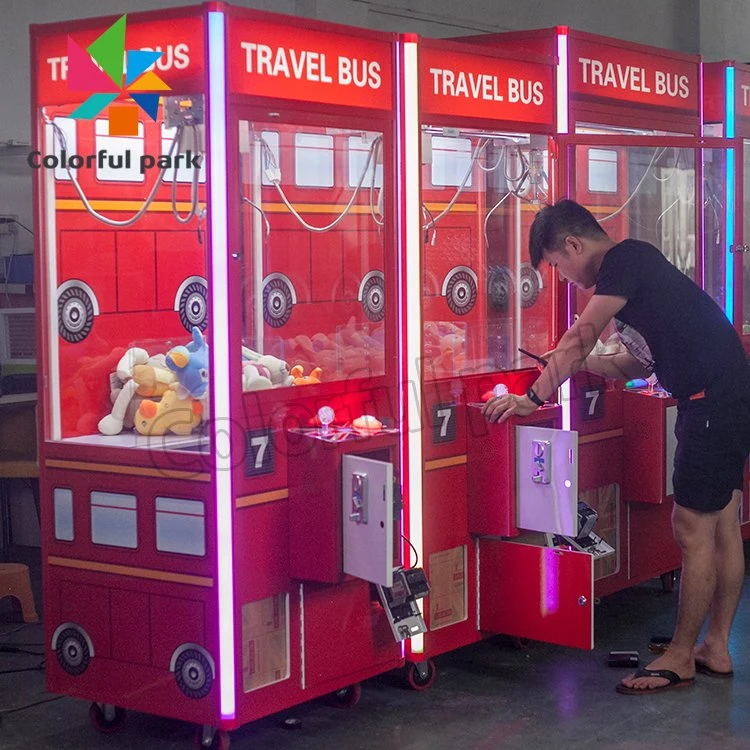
726	114
477	126
218	336
630	149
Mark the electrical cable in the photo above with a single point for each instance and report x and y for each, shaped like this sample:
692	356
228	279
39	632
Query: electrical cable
416	555
60	135
193	184
275	179
23	226
4	711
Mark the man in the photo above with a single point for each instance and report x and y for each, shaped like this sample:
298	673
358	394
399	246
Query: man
671	327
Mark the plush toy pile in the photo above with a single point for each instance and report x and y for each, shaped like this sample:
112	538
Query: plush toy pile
444	348
345	353
160	394
168	393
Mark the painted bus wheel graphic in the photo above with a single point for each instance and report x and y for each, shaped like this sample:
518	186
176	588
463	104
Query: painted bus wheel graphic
75	314
531	285
278	301
460	290
193	306
193	673
373	298
72	651
498	288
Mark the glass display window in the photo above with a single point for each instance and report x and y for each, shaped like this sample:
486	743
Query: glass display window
313	278
125	267
482	299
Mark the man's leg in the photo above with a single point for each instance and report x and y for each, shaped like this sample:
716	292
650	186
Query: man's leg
695	532
730	574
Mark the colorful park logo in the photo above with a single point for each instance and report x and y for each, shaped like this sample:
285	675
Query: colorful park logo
99	68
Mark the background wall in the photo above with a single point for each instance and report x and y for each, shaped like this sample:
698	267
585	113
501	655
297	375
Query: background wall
683	25
673	24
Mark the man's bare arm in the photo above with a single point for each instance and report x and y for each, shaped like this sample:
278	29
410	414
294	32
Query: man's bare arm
620	366
577	343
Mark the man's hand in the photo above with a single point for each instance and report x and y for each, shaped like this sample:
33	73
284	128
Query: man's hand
501	408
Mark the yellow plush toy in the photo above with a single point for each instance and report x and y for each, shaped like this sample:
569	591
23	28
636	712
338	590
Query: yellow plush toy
137	375
171	414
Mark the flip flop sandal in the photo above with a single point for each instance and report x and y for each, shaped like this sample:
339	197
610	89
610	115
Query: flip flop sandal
675	681
705	669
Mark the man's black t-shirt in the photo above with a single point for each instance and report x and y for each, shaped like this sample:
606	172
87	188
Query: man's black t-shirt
690	344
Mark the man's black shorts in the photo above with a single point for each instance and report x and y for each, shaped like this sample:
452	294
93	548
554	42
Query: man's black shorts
713	442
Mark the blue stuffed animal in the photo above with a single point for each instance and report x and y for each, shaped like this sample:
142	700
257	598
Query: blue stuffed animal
190	365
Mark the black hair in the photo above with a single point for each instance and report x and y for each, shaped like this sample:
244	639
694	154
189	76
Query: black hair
563	218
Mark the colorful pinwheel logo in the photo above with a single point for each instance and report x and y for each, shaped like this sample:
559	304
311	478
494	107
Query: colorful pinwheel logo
99	68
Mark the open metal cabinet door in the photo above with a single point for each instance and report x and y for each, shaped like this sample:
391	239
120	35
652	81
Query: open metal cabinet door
368	519
547	480
541	593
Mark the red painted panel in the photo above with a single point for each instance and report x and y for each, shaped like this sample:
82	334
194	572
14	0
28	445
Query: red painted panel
492	469
363	252
90	257
267	555
75	607
136	266
289	253
174	622
600	463
179	255
134	687
714	92
326	267
644	447
491	476
344	631
315	510
540	593
131	631
445	510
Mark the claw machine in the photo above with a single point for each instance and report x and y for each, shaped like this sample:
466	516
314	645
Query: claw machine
219	454
479	164
631	150
726	115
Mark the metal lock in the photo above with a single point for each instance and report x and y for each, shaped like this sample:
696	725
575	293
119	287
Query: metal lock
359	498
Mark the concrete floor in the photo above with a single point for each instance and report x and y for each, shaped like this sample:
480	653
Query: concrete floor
490	695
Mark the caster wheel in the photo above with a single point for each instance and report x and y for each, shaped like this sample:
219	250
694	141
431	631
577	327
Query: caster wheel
103	724
348	697
220	740
418	682
668	581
